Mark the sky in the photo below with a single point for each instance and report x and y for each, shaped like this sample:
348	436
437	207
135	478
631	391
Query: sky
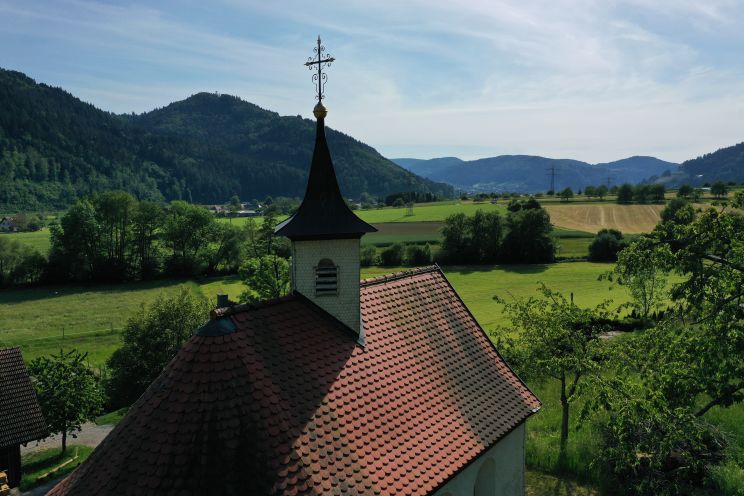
593	80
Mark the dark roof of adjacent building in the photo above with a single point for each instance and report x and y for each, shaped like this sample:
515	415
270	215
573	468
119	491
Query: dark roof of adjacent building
21	420
323	213
284	400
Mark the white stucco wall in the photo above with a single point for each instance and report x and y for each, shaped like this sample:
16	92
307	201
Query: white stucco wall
345	254
508	458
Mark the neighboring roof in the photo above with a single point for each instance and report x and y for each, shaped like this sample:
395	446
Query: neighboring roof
285	401
323	213
21	420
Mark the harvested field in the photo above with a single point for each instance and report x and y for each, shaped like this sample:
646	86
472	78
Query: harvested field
630	219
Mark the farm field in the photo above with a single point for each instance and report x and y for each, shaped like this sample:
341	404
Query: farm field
630	219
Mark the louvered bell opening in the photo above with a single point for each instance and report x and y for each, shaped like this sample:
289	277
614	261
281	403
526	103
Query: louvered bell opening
326	278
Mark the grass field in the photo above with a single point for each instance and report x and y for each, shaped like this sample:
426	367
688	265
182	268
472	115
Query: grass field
404	232
38	240
90	317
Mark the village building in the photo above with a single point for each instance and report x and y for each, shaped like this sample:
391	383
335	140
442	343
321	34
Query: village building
7	224
21	420
386	386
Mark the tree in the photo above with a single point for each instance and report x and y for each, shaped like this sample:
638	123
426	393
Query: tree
685	191
67	391
368	255
75	252
590	191
625	193
556	339
265	277
602	191
566	194
528	238
719	189
455	236
234	206
147	226
606	245
151	339
657	192
187	232
648	445
418	255
392	255
641	267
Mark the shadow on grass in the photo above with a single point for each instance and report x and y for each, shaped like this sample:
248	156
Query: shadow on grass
37	464
34	293
516	268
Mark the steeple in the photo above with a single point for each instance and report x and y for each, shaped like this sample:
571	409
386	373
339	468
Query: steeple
323	213
325	233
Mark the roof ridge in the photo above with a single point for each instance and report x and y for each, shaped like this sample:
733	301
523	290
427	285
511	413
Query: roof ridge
246	307
398	275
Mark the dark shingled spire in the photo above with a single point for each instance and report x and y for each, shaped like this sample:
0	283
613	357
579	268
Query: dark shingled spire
323	213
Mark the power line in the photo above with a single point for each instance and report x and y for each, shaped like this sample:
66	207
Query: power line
552	174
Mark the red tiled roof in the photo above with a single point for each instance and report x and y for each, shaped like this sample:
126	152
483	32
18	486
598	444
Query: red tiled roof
290	403
21	420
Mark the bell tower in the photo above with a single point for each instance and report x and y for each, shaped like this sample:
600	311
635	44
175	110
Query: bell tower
325	233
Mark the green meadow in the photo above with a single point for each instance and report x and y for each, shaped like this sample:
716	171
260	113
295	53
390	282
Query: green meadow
90	318
38	240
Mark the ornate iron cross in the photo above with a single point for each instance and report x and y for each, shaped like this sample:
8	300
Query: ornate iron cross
320	78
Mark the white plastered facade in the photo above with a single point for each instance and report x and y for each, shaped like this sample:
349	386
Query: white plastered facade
344	253
498	472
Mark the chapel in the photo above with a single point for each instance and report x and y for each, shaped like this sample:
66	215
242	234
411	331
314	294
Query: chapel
382	386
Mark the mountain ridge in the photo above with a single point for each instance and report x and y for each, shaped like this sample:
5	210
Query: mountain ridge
205	148
530	173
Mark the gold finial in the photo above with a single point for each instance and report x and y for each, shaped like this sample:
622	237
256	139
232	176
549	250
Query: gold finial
320	111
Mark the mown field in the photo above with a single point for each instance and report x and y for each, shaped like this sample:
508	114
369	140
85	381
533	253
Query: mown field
91	318
630	219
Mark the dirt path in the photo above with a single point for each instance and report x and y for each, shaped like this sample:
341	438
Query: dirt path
90	435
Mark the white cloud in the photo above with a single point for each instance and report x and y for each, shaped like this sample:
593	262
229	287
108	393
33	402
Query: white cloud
587	79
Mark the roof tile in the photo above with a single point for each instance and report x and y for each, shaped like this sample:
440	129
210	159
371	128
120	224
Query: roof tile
290	403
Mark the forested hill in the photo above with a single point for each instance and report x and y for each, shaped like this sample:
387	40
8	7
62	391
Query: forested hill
206	148
725	164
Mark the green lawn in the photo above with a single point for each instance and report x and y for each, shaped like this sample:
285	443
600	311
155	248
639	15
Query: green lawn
40	463
478	285
91	317
37	239
404	232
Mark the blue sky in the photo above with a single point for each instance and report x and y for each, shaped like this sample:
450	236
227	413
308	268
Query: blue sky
594	80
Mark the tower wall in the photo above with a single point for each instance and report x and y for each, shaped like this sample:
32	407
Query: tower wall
344	253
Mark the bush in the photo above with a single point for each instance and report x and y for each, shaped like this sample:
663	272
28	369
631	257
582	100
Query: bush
392	255
418	255
368	256
606	245
152	338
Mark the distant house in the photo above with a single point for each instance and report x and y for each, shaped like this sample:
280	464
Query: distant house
7	224
21	420
246	213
